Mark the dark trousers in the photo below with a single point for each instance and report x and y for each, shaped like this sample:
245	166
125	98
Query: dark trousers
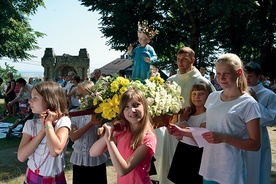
85	174
185	164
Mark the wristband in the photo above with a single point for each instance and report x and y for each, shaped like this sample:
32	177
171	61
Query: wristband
48	127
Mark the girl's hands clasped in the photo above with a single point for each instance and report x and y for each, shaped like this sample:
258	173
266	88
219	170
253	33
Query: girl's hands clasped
48	117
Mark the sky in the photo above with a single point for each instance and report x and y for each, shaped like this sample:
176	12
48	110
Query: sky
68	26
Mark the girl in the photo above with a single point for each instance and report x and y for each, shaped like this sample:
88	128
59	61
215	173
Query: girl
84	135
135	145
188	166
232	118
44	140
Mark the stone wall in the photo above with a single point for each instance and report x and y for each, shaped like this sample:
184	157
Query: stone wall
55	66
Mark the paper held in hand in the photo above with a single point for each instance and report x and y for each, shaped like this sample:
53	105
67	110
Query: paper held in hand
197	134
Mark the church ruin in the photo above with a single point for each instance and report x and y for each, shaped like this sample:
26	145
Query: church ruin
55	66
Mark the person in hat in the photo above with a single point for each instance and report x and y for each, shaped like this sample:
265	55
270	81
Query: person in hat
143	55
68	83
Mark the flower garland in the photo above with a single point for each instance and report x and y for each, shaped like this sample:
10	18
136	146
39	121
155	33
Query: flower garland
162	97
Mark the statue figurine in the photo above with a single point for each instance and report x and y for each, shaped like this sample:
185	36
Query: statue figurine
143	55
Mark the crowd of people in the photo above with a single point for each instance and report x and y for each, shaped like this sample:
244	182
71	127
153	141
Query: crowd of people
233	107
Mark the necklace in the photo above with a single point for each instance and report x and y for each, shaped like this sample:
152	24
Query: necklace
37	170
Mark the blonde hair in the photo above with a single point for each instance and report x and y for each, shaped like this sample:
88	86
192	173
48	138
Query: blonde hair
144	124
87	85
54	96
236	63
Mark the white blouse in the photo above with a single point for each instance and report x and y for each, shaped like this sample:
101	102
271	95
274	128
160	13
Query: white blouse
80	156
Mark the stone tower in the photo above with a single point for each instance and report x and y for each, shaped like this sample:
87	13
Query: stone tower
55	66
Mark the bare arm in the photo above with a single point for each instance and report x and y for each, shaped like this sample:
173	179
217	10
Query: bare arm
121	165
56	140
251	144
28	145
98	148
76	133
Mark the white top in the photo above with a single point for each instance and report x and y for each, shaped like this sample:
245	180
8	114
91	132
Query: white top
166	144
222	162
259	162
80	156
67	87
53	165
24	95
186	81
194	121
74	98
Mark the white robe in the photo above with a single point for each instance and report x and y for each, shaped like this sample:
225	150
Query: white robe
259	163
167	143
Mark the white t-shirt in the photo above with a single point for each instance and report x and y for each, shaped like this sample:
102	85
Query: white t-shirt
222	162
194	121
52	165
74	98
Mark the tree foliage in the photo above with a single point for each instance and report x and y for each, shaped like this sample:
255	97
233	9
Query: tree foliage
8	68
210	27
16	35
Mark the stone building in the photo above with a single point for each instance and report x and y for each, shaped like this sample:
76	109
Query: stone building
55	66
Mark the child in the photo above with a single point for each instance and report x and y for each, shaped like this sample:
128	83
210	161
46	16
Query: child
232	118
187	156
144	54
84	135
135	145
44	140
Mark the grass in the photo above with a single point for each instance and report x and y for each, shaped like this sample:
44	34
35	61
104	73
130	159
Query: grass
13	172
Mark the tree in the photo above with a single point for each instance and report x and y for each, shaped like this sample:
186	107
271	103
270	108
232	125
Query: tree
245	27
7	69
16	35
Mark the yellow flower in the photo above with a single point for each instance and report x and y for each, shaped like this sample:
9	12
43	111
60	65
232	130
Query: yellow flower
95	101
114	86
109	108
123	89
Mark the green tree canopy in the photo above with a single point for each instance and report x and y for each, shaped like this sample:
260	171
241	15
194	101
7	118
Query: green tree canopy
16	35
209	27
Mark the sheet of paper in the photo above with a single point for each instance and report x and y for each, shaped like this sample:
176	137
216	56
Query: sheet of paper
197	134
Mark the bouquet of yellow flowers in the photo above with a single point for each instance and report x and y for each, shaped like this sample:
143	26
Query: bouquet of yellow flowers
162	97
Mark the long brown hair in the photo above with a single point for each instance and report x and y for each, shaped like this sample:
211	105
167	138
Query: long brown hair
144	125
54	96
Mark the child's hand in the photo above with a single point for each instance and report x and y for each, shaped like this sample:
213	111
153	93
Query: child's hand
108	129
49	117
147	59
213	137
129	49
174	130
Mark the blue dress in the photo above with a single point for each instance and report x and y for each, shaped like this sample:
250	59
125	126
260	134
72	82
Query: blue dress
141	69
